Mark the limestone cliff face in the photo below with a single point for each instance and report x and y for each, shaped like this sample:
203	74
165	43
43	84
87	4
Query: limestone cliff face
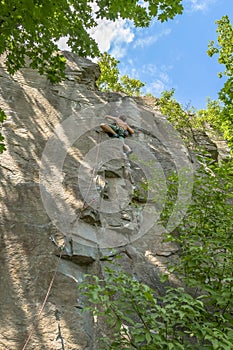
70	196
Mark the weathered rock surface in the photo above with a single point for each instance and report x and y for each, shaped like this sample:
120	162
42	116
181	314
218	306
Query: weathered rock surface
70	197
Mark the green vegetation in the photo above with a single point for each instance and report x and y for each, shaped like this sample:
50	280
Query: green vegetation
224	49
139	318
205	238
2	118
111	81
189	121
32	28
183	120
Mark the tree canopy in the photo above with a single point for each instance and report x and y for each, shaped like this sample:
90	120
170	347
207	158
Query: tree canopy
33	27
110	79
224	49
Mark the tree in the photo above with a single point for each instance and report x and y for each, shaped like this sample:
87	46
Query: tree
224	48
189	121
131	86
206	254
32	27
211	114
182	120
110	79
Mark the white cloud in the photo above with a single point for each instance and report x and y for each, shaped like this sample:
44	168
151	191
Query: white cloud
198	5
127	67
118	51
150	69
62	44
113	36
155	88
151	39
160	79
157	78
165	77
154	71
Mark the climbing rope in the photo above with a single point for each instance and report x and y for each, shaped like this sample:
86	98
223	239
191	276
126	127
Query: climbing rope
84	207
44	302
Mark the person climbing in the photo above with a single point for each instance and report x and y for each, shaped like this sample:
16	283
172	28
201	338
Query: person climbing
119	129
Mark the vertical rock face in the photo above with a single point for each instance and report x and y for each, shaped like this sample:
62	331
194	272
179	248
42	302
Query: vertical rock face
70	196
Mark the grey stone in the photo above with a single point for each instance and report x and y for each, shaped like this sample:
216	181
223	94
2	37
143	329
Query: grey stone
64	217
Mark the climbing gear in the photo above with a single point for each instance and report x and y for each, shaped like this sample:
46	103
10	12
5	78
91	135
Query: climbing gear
118	129
44	302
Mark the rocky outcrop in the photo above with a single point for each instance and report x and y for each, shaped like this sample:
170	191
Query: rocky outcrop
71	197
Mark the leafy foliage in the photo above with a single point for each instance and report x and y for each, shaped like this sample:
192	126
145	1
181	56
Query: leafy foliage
32	28
206	239
210	115
137	318
201	319
109	78
224	49
183	119
131	86
2	118
206	242
189	122
111	81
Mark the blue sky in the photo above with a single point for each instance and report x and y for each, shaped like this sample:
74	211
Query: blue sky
171	54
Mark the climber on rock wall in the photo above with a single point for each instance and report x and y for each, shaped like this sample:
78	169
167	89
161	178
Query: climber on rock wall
119	129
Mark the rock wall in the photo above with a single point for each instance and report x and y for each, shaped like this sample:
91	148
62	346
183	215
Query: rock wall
71	196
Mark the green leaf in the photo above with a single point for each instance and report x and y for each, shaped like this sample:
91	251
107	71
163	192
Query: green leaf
33	27
2	116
